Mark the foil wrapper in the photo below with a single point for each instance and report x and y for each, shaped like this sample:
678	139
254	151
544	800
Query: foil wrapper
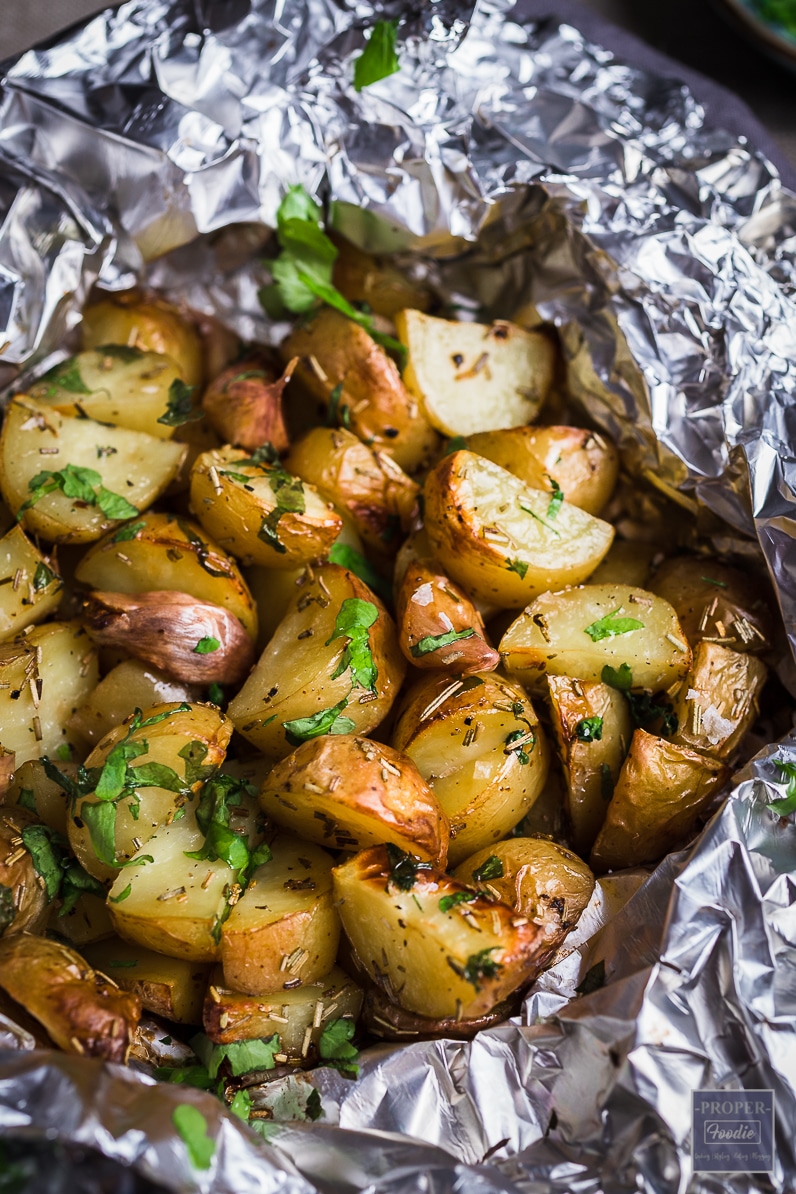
515	165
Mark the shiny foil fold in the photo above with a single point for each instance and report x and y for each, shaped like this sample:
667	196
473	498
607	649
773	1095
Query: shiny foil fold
513	164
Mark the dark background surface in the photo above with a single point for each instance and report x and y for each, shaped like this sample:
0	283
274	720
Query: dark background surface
691	31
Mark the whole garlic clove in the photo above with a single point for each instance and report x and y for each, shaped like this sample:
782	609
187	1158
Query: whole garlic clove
244	404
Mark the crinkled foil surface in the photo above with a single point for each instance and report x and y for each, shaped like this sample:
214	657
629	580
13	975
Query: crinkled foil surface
664	250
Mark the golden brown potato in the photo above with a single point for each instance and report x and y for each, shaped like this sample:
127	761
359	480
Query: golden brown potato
506	543
32	789
7	772
348	793
581	632
716	603
472	377
262	513
169	987
478	743
86	923
376	282
308	681
164	551
718	701
593	729
152	325
130	685
24	902
192	641
30	587
382	1018
82	1011
243	404
627	563
373	401
432	944
661	790
367	485
439	628
539	879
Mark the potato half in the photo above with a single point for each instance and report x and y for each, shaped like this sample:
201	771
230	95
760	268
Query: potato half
128	686
439	628
432	944
718	702
475	377
30	587
347	793
170	987
716	603
151	325
504	542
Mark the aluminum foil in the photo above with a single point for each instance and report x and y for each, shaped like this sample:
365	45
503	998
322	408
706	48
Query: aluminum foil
514	165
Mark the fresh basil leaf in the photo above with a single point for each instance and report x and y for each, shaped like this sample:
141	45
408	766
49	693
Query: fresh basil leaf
353	622
557	500
100	820
518	566
459	897
612	625
327	721
432	642
379	59
206	645
491	868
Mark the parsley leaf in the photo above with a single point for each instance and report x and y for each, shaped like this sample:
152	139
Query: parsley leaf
220	794
100	820
611	625
353	622
403	867
327	721
620	678
477	966
457	444
215	694
334	1046
125	534
643	710
179	405
80	484
556	501
65	376
787	804
191	1128
121	352
289	493
432	642
589	729
62	875
354	561
241	1105
206	645
379	59
43	576
518	566
491	868
242	1056
459	897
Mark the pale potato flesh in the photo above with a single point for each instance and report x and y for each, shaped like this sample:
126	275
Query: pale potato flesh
130	685
551	636
170	987
472	377
718	701
500	539
152	326
35	588
132	465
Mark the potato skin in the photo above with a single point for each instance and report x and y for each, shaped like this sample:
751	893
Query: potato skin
346	792
718	701
150	324
428	605
24	906
717	603
82	1011
383	1018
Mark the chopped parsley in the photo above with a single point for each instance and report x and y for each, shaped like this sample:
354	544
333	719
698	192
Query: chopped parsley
620	678
403	867
179	405
354	622
81	484
289	494
327	721
125	534
220	794
61	874
379	59
335	1048
191	1128
787	804
556	501
457	444
65	376
459	897
589	729
215	694
477	966
241	1056
491	868
43	576
518	566
354	561
206	645
612	625
432	642
522	754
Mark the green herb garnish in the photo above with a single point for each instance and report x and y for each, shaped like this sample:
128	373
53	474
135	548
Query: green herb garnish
179	405
191	1128
477	966
242	1056
379	59
82	484
206	645
43	576
518	566
589	729
491	868
403	867
335	1048
327	721
620	678
556	501
432	642
459	897
354	561
787	805
612	625
289	493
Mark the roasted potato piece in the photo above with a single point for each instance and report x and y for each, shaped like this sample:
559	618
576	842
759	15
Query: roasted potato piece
7	772
170	987
142	391
367	485
100	476
718	701
382	1018
538	878
439	628
44	676
479	745
30	587
584	630
627	563
473	377
243	404
151	325
31	788
156	761
593	730
24	902
130	685
502	540
716	603
193	641
87	922
163	551
376	282
432	944
284	930
82	1011
298	1014
578	465
307	681
347	793
265	515
661	790
334	351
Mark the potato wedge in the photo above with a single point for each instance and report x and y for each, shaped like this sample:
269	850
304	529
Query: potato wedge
30	587
382	1018
24	902
627	563
661	790
32	789
128	686
376	282
82	1011
439	628
243	403
458	959
582	631
348	793
299	1014
718	701
83	925
151	325
119	472
500	539
116	384
539	879
593	730
374	402
262	513
163	551
366	484
307	682
472	377
716	603
170	987
284	930
44	675
160	758
479	745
